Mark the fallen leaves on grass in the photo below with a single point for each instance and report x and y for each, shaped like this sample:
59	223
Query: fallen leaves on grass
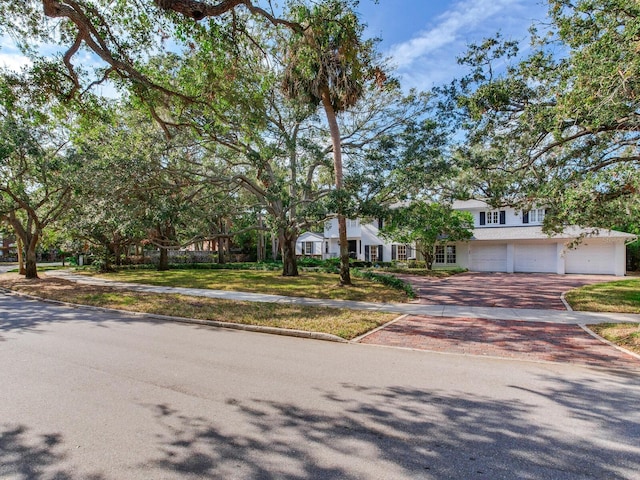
626	335
346	324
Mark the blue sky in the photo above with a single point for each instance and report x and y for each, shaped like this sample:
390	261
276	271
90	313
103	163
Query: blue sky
422	37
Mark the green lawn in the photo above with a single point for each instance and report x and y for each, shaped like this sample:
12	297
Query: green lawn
621	296
308	284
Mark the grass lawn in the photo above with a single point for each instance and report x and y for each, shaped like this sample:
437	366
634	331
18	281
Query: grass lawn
308	284
347	324
626	335
622	297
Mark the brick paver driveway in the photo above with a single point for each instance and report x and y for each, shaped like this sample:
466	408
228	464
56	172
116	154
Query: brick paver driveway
532	341
502	338
508	290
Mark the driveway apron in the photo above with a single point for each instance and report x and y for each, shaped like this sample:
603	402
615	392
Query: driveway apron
507	290
536	341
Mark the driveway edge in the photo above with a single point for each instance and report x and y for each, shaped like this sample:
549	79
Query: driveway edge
604	340
195	321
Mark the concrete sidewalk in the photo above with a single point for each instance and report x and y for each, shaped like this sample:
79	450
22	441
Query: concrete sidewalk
487	313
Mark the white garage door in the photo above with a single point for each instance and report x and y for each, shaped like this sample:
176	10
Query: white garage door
489	258
598	259
535	258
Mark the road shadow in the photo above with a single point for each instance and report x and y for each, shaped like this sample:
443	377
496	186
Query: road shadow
25	456
22	314
402	432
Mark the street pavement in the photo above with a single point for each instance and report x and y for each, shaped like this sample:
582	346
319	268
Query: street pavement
100	395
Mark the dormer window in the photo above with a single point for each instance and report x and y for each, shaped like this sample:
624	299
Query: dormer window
493	217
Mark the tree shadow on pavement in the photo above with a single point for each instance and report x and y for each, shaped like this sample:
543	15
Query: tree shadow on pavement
24	456
399	432
19	314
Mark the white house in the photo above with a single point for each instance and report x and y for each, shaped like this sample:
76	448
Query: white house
508	240
309	244
365	242
504	240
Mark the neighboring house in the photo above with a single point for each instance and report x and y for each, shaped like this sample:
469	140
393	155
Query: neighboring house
8	246
309	244
504	240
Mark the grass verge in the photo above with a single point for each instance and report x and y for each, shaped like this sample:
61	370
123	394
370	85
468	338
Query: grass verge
621	296
626	335
346	324
308	284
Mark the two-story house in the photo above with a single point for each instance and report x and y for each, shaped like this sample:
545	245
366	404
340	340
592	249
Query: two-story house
504	240
510	240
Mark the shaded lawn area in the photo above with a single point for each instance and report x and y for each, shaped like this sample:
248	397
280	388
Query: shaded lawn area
346	324
621	296
308	284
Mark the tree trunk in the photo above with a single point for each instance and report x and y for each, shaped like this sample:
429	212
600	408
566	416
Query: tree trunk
31	268
21	268
289	259
163	265
221	259
345	273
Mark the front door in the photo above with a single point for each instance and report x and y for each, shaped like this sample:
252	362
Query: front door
353	249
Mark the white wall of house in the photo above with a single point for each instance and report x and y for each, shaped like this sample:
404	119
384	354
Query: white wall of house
309	244
505	240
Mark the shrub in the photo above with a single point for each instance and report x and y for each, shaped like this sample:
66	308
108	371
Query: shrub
388	280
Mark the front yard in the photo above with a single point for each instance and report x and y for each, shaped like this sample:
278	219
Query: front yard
308	284
622	297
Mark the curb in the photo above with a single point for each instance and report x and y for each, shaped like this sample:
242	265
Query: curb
564	301
364	335
604	340
328	337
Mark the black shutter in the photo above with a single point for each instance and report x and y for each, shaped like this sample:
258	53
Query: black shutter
394	252
366	253
380	223
503	217
483	218
380	259
525	217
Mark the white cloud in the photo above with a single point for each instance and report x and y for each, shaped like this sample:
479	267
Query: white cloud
13	61
429	57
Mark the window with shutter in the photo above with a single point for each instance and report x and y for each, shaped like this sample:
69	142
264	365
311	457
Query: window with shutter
483	218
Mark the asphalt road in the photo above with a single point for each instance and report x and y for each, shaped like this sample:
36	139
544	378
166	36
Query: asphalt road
86	395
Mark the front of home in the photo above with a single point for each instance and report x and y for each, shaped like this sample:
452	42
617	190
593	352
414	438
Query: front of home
504	240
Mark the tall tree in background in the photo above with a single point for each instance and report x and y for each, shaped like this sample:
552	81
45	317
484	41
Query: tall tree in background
329	63
561	126
37	170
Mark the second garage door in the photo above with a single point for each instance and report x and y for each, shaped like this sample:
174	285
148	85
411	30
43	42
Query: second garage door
535	258
594	258
489	258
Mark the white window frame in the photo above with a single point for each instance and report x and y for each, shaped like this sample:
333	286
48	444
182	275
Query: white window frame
307	248
401	252
493	217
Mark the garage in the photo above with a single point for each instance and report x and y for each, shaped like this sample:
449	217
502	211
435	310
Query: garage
535	258
489	258
591	258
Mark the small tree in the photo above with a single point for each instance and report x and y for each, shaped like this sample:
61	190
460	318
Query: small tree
428	225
